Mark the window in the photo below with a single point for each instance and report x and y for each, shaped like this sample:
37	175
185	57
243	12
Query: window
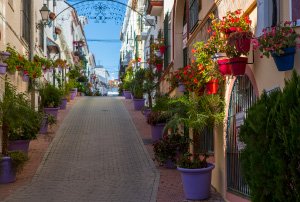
26	20
194	8
267	14
41	40
295	8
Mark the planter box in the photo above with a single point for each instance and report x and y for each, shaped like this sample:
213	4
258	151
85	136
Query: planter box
19	145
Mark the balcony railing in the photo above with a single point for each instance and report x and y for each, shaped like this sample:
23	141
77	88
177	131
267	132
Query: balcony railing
155	7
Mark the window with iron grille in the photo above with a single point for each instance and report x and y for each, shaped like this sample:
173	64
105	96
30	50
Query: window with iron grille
41	40
241	99
166	41
194	8
26	20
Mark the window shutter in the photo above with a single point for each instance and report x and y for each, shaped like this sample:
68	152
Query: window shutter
166	39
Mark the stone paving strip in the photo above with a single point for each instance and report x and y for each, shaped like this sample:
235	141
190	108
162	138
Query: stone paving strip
96	155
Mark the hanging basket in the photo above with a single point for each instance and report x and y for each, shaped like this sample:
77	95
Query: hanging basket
212	86
285	62
238	65
224	66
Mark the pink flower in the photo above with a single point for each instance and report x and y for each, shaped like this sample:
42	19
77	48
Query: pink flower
255	43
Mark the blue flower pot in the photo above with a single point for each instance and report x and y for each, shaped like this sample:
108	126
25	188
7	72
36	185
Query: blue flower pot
285	62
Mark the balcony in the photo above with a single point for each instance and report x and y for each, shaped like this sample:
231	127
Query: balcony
155	7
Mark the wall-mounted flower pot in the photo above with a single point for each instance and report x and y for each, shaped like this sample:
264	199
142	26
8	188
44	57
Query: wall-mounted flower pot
57	30
7	174
127	94
138	104
196	182
3	68
242	44
212	86
162	49
5	55
25	78
159	67
52	16
238	65
285	62
19	145
224	66
181	87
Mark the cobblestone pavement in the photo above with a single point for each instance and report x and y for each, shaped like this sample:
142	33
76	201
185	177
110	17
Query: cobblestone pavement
97	155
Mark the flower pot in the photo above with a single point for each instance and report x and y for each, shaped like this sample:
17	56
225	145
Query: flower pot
224	66
159	67
25	78
169	164
158	53
196	182
5	55
75	89
53	111
138	104
7	174
157	131
181	87
127	94
73	94
44	126
3	67
19	145
212	86
238	65
51	16
147	112
285	62
57	30
242	45
162	49
63	104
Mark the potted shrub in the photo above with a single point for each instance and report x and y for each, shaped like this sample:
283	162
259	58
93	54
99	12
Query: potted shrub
138	90
50	99
157	120
127	83
280	43
12	107
167	149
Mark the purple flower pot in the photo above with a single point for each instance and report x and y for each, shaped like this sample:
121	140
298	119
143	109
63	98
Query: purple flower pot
157	131
138	104
5	55
147	112
73	94
127	94
170	164
25	78
196	182
75	89
51	111
63	104
7	174
3	67
181	88
19	145
44	126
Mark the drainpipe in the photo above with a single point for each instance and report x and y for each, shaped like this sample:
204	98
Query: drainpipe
31	48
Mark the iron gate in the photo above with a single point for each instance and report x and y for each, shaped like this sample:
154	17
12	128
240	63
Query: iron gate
242	97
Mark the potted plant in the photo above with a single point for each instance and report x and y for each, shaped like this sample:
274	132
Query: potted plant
280	43
15	61
230	34
196	113
57	30
50	99
138	90
167	149
157	120
52	16
127	83
3	66
12	108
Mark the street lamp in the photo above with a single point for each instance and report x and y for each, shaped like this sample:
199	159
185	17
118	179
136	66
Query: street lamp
45	17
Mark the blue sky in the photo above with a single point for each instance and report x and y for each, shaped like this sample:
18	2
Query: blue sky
106	53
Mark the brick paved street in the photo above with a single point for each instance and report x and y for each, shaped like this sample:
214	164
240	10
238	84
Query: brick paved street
97	155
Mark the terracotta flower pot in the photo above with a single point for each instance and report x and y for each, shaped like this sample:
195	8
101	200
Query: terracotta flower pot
224	66
57	30
52	16
238	65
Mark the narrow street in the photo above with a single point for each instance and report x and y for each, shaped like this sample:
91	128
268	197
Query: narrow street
97	155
